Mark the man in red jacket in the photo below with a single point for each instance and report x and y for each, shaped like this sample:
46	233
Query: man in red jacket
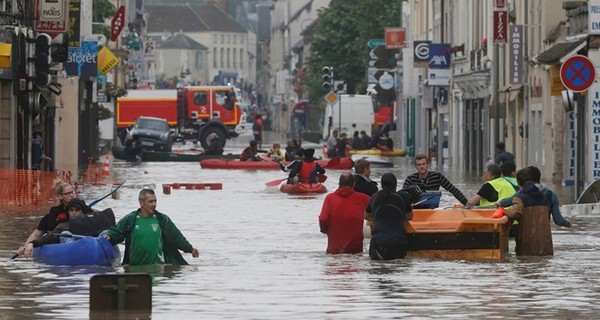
342	217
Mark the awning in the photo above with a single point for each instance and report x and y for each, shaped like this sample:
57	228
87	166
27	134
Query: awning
473	85
512	90
558	51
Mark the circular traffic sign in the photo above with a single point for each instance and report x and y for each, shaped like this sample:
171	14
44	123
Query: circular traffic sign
578	73
386	81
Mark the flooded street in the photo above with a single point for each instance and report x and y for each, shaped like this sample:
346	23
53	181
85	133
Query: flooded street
262	257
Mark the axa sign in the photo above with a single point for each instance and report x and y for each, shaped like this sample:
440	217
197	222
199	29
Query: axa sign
439	56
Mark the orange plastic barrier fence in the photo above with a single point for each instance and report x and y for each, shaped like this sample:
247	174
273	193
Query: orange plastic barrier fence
27	190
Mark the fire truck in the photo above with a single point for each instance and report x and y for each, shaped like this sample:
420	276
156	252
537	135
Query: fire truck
194	113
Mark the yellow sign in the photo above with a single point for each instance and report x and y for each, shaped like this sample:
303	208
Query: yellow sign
331	97
106	60
5	51
556	86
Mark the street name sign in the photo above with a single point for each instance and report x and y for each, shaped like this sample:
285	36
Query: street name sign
374	43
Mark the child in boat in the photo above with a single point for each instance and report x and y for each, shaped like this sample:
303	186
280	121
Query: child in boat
276	154
64	193
74	208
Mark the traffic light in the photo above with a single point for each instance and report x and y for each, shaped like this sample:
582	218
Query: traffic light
327	78
385	58
42	60
61	51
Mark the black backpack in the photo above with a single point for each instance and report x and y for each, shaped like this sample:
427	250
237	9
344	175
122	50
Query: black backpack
91	224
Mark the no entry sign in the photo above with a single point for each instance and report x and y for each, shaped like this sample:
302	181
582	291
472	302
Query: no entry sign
578	73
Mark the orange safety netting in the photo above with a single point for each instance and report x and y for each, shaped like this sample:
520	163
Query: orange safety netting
27	190
31	190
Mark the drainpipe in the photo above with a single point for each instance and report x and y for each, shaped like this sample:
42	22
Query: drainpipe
526	85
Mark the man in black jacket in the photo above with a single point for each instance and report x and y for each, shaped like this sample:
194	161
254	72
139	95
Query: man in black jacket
363	182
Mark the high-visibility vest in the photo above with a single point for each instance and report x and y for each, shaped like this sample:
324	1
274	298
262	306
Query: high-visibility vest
504	189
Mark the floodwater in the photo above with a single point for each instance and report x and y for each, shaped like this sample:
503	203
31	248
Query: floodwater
262	257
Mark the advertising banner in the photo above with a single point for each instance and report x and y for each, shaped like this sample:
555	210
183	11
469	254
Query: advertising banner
83	61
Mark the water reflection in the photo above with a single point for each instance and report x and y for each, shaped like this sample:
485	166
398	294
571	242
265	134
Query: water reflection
262	257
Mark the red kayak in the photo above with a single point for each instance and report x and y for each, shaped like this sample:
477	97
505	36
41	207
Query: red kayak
301	188
333	164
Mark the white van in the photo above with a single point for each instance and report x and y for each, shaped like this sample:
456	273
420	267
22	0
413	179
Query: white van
356	113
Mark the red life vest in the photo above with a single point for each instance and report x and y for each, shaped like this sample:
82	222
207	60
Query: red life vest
305	171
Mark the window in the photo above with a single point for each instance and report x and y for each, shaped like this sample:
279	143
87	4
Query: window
234	59
200	98
222	58
222	39
224	99
199	60
241	59
228	58
215	58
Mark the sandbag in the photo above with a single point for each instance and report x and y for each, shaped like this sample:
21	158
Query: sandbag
91	224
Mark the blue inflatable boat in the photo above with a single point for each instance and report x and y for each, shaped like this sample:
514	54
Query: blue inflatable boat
84	251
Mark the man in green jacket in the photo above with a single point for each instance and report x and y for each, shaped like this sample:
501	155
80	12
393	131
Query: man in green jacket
143	229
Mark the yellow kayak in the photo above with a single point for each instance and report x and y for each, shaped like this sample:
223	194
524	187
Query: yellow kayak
377	152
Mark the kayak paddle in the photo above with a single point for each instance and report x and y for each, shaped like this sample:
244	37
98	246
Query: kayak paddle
275	183
104	197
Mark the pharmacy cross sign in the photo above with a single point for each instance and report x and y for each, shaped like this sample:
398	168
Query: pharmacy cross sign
578	73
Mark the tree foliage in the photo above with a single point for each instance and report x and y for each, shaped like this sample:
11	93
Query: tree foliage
102	9
340	39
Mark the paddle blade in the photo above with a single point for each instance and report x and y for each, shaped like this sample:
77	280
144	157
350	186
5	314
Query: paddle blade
264	157
275	183
322	178
333	163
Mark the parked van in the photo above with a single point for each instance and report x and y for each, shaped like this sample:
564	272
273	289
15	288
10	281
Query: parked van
356	113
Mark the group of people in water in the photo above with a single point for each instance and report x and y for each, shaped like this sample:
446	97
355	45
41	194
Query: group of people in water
144	242
521	201
338	144
519	197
